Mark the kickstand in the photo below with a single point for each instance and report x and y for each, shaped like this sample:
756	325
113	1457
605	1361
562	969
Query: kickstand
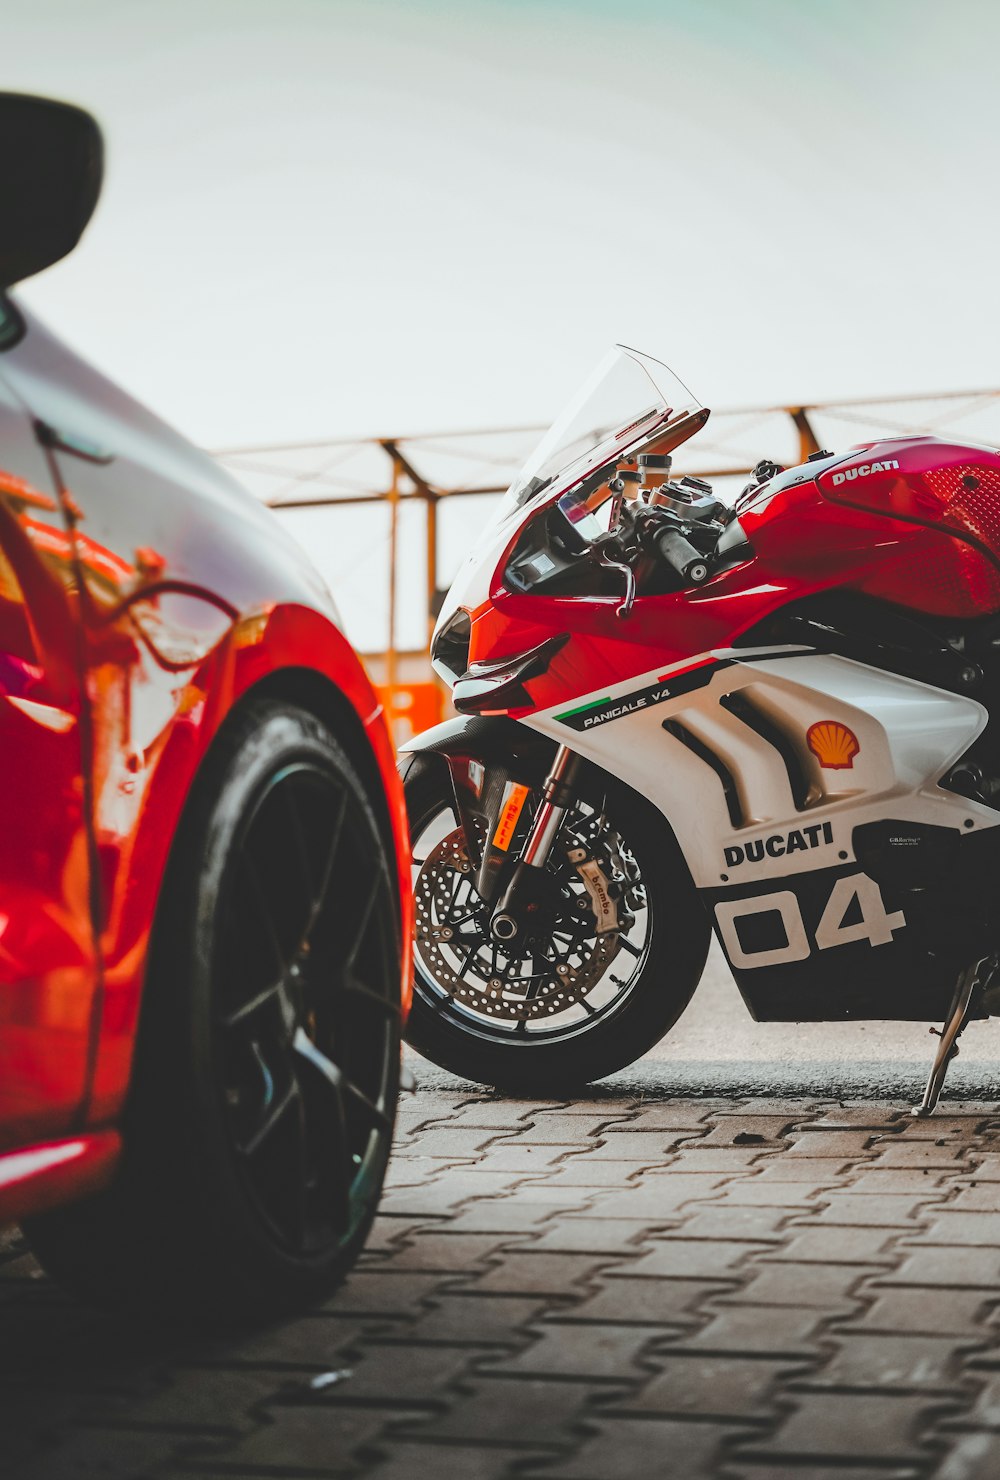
972	977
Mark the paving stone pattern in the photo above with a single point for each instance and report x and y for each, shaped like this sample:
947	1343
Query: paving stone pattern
613	1289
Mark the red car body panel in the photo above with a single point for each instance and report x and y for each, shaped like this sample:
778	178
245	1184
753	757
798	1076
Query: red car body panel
48	962
36	1178
147	595
134	841
921	531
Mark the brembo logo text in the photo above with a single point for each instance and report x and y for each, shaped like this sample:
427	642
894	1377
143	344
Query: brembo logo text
799	840
863	469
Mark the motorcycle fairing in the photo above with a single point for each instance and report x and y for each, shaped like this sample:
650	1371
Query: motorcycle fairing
799	541
721	746
783	916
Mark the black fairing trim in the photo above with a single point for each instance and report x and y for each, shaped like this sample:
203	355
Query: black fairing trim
870	631
508	752
490	738
743	707
733	548
499	684
903	982
698	747
450	646
943	880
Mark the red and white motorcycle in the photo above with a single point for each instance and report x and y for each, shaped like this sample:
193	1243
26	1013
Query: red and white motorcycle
773	720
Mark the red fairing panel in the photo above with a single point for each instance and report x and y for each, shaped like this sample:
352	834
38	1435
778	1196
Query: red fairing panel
800	547
918	536
948	487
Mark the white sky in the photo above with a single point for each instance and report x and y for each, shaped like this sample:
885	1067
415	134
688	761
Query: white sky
332	218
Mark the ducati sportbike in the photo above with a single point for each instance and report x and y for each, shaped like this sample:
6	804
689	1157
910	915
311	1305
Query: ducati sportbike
773	720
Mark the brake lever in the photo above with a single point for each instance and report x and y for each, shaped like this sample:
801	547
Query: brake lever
624	610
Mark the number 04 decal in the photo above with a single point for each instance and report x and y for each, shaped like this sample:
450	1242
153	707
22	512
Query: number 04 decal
876	925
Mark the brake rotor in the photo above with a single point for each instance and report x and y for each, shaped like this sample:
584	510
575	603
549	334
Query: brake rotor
454	946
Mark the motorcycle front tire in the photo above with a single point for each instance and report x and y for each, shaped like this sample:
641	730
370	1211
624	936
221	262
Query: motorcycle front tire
675	957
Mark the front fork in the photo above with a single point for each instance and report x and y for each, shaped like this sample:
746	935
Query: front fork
525	884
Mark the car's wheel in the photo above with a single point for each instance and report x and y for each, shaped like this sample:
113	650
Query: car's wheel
263	1095
574	1006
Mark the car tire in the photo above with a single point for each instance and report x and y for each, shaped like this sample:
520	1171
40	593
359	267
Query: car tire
259	1121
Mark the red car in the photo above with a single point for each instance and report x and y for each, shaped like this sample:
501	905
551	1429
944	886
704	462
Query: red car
204	863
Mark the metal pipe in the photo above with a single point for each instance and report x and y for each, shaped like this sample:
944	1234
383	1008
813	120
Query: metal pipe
506	922
548	818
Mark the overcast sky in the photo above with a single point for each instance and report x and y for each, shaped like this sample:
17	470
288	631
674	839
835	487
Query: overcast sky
327	217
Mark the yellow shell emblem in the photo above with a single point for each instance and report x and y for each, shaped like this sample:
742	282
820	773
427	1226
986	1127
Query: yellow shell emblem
833	745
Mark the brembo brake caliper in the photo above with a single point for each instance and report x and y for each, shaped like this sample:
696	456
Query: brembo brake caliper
602	901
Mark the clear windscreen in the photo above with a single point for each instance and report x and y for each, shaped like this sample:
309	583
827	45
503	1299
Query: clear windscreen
629	397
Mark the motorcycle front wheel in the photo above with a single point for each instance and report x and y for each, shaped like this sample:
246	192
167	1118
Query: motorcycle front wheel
580	1006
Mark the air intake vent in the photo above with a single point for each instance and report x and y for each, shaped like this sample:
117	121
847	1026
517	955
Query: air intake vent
700	749
747	712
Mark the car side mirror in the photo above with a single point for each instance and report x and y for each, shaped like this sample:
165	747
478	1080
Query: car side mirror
51	165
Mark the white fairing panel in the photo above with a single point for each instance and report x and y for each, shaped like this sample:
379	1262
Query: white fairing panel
907	736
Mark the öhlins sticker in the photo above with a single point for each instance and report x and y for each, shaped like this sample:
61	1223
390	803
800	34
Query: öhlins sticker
514	797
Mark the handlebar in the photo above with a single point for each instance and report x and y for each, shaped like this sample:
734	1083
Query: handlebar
682	557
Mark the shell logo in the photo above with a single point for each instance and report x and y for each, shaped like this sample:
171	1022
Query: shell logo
833	744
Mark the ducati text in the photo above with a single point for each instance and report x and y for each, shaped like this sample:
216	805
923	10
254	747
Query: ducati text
863	470
799	840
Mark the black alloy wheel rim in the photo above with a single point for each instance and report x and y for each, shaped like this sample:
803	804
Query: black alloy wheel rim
307	1013
625	977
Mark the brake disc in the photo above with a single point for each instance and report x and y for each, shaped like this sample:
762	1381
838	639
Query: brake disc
454	947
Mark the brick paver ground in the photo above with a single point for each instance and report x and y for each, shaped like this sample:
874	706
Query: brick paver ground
612	1289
